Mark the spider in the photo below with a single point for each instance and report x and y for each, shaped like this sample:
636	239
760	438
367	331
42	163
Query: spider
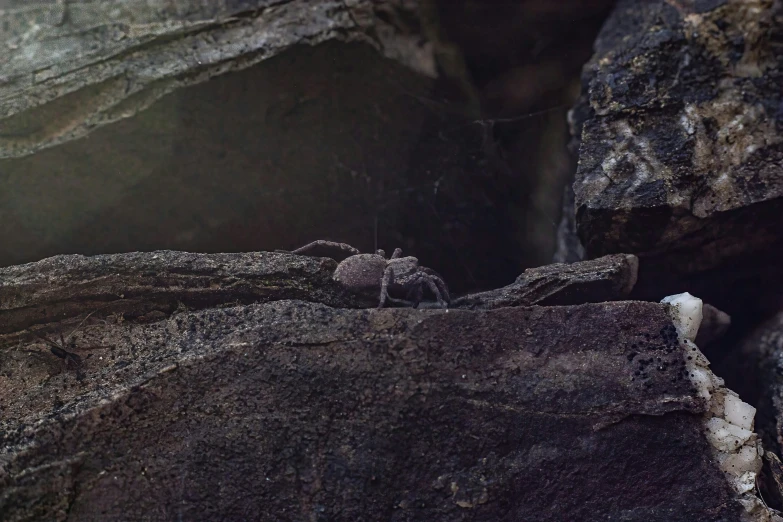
72	360
400	280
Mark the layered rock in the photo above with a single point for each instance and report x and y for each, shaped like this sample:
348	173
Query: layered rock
290	408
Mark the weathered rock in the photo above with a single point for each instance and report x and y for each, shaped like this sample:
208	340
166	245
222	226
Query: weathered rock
608	278
771	480
297	410
71	67
150	284
714	324
682	146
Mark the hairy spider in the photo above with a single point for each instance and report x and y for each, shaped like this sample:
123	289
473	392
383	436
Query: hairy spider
400	280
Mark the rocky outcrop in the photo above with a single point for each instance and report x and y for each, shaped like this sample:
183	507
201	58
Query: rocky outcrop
681	146
272	407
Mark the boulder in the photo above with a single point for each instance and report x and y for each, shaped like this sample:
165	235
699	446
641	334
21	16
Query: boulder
682	147
269	404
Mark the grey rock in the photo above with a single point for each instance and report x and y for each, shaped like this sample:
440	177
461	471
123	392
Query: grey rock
714	324
72	67
607	278
63	288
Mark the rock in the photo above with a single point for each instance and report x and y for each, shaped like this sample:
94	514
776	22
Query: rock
682	147
608	278
133	285
295	409
71	67
771	483
714	324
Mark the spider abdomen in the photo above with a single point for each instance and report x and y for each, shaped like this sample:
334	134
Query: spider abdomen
361	273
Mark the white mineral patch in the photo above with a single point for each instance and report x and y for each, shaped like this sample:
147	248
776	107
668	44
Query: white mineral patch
726	437
728	422
686	314
702	379
737	412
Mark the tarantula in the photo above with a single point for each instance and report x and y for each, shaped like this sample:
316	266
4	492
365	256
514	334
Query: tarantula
400	280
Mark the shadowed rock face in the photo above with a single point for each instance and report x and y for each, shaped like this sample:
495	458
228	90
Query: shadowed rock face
761	370
293	410
681	145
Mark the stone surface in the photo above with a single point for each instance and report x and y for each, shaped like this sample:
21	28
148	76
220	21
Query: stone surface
71	67
288	409
714	325
607	278
138	284
682	146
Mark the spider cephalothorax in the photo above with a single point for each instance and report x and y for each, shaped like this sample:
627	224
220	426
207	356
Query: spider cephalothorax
400	280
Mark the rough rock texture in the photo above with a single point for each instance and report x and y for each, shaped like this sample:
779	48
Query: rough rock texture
682	145
608	278
297	410
72	66
154	284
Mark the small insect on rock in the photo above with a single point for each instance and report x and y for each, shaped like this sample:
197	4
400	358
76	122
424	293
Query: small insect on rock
398	280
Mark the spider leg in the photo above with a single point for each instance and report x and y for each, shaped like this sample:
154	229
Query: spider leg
434	289
321	246
59	351
444	290
403	302
388	277
416	292
436	286
78	326
54	346
397	253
